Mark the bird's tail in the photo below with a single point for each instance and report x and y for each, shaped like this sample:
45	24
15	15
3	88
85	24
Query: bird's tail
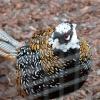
8	45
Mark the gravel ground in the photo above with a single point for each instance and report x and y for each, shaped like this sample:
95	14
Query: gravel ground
22	18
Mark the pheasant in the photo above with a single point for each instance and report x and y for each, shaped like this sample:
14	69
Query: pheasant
50	63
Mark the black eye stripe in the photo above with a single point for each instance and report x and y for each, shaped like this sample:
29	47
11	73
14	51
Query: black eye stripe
57	35
62	37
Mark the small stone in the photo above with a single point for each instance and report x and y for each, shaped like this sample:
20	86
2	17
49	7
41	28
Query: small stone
97	96
18	98
5	1
32	28
3	79
19	5
2	87
82	93
3	70
11	92
98	72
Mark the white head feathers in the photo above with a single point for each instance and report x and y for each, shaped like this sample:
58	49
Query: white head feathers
61	29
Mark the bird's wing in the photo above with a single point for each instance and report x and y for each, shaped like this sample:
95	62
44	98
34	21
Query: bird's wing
39	42
85	50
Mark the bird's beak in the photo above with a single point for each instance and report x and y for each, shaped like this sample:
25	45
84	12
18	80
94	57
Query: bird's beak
74	25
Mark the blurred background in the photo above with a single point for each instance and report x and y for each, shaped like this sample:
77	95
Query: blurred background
22	18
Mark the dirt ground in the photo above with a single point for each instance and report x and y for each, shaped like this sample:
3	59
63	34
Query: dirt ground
22	18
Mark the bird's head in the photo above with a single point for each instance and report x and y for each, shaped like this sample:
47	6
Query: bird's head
64	37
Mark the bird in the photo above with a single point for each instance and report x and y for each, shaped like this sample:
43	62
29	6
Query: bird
51	63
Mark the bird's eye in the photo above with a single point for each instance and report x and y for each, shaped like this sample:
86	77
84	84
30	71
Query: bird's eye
66	36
